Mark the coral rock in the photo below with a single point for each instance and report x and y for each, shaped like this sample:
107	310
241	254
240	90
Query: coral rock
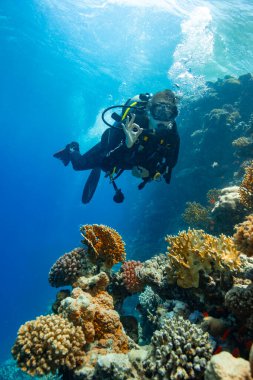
225	367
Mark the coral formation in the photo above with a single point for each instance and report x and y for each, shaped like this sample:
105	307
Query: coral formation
246	187
196	215
228	210
69	267
180	350
130	278
193	251
243	236
105	245
48	343
239	300
225	367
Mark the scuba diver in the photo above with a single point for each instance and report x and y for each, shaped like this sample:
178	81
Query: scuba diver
143	139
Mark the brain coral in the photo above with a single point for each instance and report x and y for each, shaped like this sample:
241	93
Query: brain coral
180	350
244	236
105	245
48	343
130	278
193	251
69	267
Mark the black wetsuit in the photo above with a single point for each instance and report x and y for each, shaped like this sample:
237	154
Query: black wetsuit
156	150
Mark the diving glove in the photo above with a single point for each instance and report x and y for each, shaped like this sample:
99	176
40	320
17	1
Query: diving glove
132	131
64	154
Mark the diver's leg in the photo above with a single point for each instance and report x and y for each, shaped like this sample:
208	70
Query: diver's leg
88	160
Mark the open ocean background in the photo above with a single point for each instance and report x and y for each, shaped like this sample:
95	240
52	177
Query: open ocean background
61	63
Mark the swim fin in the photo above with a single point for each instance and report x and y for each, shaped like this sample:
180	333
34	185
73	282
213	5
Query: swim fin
91	185
63	155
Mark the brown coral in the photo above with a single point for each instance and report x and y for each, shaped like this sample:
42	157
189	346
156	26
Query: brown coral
69	267
95	314
243	236
193	251
130	279
48	343
239	300
246	187
105	245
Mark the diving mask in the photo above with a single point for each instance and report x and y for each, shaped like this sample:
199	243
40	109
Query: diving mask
162	111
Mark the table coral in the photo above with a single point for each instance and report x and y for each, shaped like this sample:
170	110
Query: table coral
48	343
243	236
105	245
193	251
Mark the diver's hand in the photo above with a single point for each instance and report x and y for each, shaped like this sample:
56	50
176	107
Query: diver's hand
132	131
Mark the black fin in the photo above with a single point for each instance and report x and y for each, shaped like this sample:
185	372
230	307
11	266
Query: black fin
63	155
91	185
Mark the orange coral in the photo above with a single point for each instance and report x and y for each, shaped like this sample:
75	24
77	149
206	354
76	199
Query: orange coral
194	250
244	236
97	318
104	244
246	187
48	343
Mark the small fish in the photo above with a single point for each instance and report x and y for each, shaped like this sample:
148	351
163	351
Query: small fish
214	164
236	352
177	85
218	350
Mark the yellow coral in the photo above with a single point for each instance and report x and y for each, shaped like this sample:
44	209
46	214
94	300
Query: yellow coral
196	215
246	187
244	236
194	250
48	343
104	244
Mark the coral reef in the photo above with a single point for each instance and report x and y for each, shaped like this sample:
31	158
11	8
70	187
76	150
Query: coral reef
69	267
180	350
105	245
243	236
194	251
246	187
48	343
130	278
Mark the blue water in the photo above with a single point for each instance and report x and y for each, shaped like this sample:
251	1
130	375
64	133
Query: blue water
62	62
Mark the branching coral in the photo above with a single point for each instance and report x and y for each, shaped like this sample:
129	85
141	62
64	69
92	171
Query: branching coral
196	215
246	187
193	251
130	278
244	236
48	343
180	350
105	245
